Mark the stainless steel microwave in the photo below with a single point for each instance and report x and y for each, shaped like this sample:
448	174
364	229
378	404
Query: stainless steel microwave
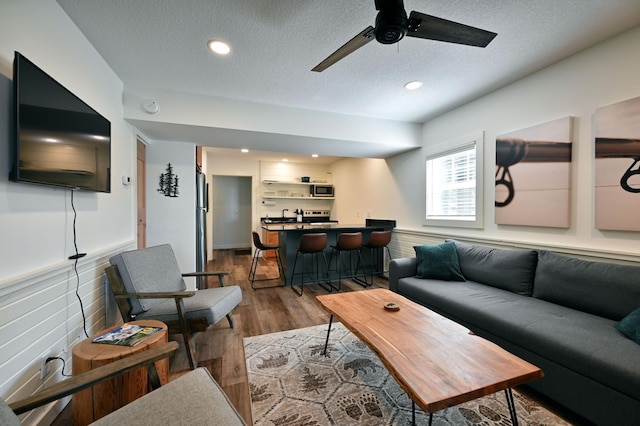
322	191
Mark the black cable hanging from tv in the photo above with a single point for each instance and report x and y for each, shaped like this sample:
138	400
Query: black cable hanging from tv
75	258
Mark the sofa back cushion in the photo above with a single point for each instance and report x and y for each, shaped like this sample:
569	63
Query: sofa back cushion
511	270
605	289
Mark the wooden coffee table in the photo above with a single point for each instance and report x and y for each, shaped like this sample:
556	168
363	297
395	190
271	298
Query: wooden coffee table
436	361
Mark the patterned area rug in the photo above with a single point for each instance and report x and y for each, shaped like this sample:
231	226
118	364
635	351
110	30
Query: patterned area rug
292	383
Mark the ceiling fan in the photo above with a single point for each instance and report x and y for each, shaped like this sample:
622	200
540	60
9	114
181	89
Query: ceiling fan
392	25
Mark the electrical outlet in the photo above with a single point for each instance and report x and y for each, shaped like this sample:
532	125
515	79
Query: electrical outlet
44	367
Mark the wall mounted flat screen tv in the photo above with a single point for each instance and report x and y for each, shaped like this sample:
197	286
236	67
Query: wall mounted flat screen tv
59	139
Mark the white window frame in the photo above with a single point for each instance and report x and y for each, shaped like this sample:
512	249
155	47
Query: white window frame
452	147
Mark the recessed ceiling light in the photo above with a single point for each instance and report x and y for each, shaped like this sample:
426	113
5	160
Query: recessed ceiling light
244	150
284	160
314	155
413	85
219	47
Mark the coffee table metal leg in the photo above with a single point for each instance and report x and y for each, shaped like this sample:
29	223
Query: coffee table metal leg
326	343
512	407
510	404
413	414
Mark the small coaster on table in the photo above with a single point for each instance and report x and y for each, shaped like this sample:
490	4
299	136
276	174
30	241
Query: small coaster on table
391	307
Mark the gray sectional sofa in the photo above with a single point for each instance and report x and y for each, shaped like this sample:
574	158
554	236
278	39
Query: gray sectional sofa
554	311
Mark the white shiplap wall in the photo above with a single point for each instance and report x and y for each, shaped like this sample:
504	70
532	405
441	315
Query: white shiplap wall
40	316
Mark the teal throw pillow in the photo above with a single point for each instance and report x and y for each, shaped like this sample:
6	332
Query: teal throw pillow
630	326
439	262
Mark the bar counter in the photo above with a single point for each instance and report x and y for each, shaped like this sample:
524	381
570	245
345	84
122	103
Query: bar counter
289	239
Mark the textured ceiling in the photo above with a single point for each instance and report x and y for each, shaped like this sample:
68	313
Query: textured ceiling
162	44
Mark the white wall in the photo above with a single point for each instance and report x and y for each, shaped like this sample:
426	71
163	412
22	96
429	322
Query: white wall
173	220
39	312
364	188
599	76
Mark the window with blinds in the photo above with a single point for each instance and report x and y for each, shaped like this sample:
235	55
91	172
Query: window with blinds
453	186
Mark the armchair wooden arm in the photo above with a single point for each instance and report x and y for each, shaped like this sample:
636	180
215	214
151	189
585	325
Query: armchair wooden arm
98	375
157	295
206	273
219	274
174	327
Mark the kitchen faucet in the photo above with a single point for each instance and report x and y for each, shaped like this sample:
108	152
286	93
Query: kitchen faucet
284	210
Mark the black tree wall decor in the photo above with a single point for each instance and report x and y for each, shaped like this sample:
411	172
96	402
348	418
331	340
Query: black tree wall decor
168	185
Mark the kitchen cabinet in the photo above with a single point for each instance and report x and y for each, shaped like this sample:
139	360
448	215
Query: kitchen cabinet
273	189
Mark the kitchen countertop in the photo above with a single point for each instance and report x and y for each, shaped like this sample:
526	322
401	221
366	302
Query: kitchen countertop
302	226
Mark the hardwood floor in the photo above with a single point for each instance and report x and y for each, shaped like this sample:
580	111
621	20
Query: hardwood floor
261	312
220	348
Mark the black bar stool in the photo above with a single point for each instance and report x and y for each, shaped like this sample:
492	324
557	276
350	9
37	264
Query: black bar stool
378	241
312	244
260	247
347	242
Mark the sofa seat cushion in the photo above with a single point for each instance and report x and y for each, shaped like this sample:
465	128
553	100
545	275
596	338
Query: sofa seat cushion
470	302
212	304
589	345
584	343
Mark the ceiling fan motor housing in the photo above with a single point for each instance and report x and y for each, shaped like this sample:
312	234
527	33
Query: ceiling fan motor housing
391	22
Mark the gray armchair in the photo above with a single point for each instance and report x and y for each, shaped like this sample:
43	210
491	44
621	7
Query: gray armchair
147	284
173	403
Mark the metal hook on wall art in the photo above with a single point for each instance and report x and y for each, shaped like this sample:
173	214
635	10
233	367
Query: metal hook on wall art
505	179
508	153
624	180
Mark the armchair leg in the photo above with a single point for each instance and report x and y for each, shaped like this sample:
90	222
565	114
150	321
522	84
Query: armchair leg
153	377
230	320
186	333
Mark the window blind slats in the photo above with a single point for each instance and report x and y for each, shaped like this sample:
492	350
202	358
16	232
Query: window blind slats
451	185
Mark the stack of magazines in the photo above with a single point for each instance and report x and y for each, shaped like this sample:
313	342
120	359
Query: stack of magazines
127	335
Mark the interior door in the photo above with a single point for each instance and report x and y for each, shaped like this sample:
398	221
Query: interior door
142	195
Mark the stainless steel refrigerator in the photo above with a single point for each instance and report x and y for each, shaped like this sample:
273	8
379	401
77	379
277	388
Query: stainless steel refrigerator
202	207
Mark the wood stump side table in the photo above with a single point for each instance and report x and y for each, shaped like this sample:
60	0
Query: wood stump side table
93	403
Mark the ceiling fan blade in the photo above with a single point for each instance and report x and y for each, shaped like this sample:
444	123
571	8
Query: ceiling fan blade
349	47
434	28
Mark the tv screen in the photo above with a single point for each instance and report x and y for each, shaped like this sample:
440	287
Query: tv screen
59	139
